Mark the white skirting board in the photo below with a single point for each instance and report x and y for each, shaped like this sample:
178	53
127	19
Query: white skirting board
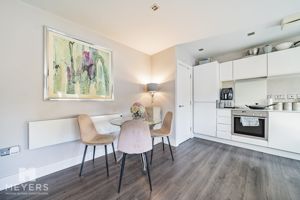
10	181
51	132
267	150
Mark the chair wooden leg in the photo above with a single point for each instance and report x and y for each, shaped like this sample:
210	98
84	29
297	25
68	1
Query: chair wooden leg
94	154
122	171
106	159
148	171
83	158
113	147
152	151
170	148
163	144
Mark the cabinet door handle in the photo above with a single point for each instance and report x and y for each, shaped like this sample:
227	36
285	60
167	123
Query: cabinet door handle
180	106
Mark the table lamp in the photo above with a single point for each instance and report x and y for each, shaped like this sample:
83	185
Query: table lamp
152	88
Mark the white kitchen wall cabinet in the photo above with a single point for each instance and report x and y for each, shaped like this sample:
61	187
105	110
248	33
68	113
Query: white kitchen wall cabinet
251	67
284	62
206	82
205	118
224	123
284	131
226	71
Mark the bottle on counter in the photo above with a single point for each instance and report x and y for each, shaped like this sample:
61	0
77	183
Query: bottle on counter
280	99
270	101
279	106
296	105
288	106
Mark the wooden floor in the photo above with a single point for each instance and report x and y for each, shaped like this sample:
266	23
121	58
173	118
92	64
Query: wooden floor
201	170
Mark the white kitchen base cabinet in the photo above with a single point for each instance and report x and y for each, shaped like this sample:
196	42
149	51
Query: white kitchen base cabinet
205	118
224	123
249	140
224	134
284	131
251	67
284	62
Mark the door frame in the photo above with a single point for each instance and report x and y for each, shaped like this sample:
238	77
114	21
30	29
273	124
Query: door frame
179	62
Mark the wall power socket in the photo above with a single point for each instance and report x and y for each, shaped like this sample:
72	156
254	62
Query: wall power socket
4	152
10	150
14	149
291	96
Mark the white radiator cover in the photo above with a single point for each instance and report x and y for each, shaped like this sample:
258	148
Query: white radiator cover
52	132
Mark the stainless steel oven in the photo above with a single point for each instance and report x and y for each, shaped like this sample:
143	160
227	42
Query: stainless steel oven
257	126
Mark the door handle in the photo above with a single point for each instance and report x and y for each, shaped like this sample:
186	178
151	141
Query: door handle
180	106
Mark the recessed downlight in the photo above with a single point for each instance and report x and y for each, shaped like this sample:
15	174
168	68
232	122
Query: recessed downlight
155	7
201	49
251	33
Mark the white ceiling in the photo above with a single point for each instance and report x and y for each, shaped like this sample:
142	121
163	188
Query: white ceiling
237	42
134	24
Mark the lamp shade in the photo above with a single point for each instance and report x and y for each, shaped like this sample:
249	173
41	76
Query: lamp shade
152	87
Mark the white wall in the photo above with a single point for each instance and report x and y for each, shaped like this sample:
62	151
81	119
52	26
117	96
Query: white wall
183	55
21	83
250	91
163	71
284	85
163	66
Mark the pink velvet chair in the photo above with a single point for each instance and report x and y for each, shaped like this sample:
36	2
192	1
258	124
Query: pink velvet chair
135	138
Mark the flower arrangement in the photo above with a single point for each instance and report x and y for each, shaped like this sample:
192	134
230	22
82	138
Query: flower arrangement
137	110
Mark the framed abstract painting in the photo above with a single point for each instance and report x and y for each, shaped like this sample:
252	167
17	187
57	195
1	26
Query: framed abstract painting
75	69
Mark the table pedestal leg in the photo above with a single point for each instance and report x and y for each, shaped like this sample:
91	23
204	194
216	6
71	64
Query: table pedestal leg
144	164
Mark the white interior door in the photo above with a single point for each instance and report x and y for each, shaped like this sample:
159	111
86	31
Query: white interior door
183	102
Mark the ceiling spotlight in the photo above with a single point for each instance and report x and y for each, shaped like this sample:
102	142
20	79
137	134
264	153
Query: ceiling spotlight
250	34
201	49
155	7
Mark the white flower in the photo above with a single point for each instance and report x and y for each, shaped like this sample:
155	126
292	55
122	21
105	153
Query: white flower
137	110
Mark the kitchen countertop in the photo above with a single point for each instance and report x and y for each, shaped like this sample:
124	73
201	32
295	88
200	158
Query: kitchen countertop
285	111
282	111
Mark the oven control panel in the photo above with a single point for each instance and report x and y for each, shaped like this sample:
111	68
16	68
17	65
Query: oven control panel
250	113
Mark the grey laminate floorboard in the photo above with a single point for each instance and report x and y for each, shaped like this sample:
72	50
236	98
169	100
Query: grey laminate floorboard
201	170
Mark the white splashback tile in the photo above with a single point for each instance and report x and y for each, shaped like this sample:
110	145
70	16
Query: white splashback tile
251	91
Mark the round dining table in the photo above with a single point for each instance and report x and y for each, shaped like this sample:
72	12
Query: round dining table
120	120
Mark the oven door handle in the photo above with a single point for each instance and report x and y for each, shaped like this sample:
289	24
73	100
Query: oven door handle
250	116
